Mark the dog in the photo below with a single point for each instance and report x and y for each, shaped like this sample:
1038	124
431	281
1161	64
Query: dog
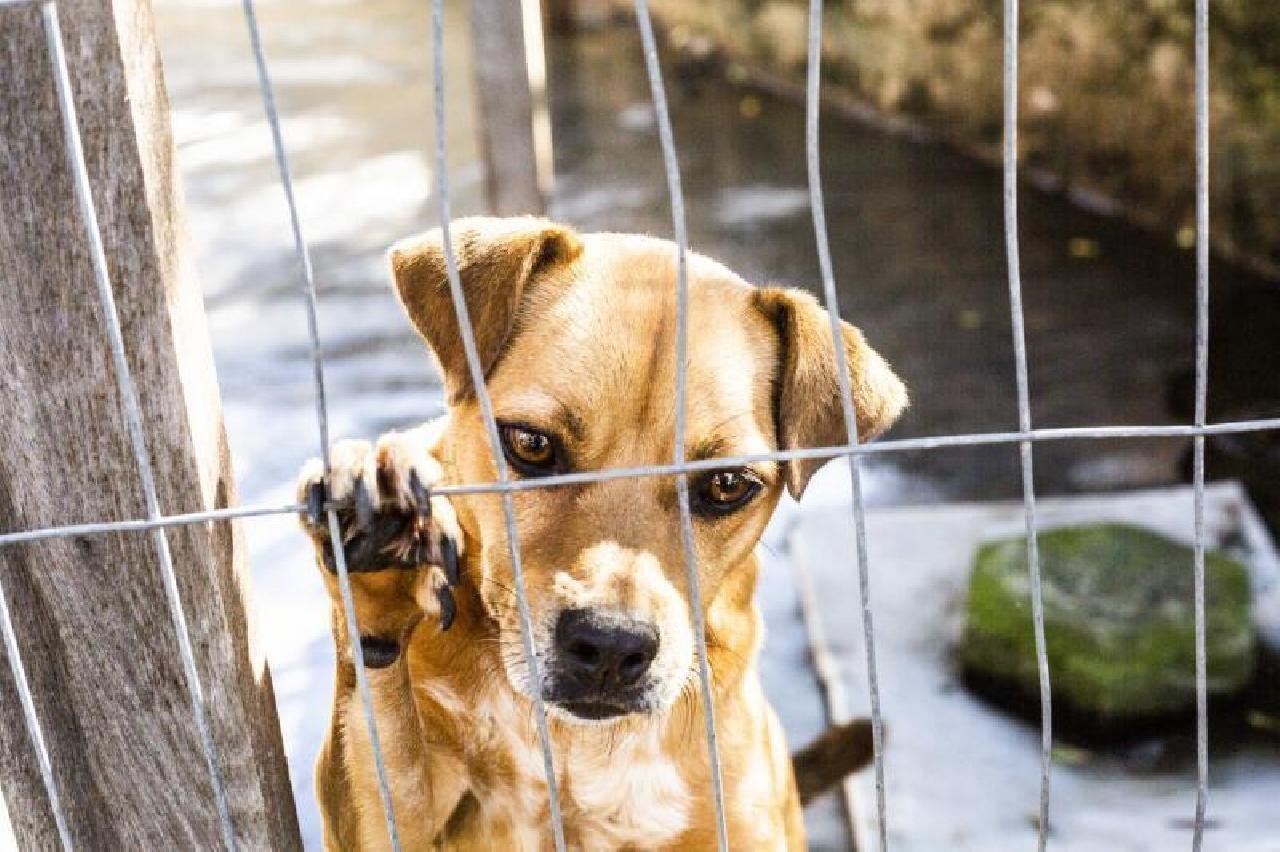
575	334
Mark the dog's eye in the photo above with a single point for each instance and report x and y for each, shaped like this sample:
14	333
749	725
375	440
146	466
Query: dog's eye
529	451
725	491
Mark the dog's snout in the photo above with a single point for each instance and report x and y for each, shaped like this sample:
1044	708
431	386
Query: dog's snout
605	650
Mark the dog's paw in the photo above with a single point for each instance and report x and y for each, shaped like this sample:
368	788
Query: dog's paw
388	519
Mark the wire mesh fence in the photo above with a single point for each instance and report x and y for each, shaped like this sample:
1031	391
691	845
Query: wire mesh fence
1010	178
852	450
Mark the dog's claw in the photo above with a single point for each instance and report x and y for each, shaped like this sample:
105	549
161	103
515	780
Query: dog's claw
315	503
421	496
448	607
364	505
449	560
378	653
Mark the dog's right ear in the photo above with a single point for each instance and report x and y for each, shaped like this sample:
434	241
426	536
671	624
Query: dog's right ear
497	260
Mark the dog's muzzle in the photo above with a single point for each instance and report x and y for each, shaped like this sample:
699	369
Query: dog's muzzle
600	663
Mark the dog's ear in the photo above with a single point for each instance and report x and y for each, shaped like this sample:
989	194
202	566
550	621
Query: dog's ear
807	407
498	261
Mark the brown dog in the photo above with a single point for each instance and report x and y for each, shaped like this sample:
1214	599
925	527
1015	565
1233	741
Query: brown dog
576	335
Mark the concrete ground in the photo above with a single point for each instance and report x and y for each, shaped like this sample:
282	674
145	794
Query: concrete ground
961	775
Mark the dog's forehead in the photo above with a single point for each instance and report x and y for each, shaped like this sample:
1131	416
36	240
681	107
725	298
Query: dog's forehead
606	336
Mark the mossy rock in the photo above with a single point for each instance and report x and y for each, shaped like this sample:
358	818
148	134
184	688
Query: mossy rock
1119	622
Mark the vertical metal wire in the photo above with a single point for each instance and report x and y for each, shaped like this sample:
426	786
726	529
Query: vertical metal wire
672	166
34	730
1010	160
817	207
132	411
16	667
322	417
32	721
476	370
1202	393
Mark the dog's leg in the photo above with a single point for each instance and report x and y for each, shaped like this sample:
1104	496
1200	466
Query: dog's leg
402	548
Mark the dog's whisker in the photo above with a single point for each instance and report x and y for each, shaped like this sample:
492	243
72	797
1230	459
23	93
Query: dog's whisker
725	422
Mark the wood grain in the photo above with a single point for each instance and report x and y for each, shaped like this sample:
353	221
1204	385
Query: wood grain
90	613
505	102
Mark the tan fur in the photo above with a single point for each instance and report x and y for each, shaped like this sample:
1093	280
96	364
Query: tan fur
576	336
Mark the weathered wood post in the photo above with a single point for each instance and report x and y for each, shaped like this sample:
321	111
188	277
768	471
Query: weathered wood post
90	613
515	127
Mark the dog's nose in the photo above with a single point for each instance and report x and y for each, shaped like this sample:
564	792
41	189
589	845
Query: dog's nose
605	650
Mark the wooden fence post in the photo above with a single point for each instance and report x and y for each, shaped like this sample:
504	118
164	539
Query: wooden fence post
515	128
90	613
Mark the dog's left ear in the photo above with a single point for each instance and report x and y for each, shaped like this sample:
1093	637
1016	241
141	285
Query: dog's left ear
499	263
807	404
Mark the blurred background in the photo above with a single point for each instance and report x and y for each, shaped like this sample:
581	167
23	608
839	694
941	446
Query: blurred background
914	209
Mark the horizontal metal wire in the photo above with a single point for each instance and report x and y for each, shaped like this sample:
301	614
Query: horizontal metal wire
141	524
899	445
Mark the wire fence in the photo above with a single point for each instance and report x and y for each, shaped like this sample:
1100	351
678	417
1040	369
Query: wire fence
1025	437
1009	152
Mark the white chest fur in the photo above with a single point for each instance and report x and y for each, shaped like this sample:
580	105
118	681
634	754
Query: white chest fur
618	788
625	791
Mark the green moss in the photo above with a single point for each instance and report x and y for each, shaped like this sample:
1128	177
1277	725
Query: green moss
1119	620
